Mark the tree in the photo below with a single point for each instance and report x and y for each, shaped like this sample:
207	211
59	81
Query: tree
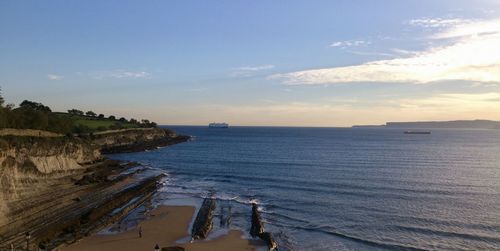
75	112
35	106
122	119
112	117
133	121
101	116
1	98
90	114
146	123
30	115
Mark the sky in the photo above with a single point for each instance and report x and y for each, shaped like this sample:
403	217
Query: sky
267	63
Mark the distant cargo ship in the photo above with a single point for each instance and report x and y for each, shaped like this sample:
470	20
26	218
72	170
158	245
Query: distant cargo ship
417	132
218	125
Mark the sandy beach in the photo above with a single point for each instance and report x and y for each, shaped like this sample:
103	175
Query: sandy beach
163	226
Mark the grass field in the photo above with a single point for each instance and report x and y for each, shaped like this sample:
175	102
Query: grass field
94	123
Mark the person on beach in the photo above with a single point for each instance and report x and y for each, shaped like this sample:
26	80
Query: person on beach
140	232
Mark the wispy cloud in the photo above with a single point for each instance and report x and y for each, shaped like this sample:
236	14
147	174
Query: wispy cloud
404	52
120	74
349	43
246	71
437	22
54	77
478	28
370	53
472	55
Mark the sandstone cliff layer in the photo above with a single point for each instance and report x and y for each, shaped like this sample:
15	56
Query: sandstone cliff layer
48	184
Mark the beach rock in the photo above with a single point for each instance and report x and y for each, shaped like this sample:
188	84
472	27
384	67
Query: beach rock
269	240
174	248
257	229
257	226
203	222
90	179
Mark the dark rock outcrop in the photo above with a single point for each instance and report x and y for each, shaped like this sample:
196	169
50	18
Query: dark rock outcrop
174	248
257	226
257	229
145	145
203	222
269	240
136	140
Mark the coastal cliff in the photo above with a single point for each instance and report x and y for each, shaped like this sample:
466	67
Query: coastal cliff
50	185
28	164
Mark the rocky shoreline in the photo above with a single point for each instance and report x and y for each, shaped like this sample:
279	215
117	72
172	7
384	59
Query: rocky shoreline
145	145
59	189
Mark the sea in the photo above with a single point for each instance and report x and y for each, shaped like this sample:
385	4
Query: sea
342	188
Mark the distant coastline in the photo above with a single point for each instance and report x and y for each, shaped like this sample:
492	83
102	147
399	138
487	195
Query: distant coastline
454	124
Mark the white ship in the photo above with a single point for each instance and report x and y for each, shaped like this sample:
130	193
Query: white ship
218	125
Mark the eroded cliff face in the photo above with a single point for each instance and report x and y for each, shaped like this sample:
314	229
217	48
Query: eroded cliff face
25	161
29	164
39	188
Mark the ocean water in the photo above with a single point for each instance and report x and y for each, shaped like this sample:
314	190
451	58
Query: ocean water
344	188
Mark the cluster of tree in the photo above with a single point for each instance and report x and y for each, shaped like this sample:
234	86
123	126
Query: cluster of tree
34	115
147	123
90	114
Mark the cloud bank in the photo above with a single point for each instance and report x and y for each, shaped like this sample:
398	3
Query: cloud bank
120	74
472	54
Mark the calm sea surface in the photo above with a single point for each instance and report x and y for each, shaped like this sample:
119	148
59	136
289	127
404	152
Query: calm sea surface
345	189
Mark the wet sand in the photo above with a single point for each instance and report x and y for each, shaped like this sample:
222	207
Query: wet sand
164	226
